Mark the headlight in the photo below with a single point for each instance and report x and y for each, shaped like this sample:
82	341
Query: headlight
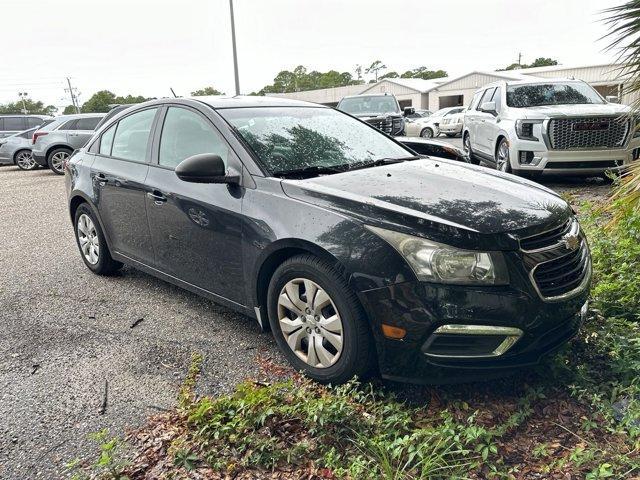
524	129
439	263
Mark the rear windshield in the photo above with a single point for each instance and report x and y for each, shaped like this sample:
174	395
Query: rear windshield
541	94
292	138
369	104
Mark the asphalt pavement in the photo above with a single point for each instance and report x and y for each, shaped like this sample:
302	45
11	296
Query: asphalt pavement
65	333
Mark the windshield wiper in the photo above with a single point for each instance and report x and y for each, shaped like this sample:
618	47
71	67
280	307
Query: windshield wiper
381	161
310	171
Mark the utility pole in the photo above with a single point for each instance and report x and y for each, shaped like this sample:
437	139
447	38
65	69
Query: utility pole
235	52
23	97
72	92
519	58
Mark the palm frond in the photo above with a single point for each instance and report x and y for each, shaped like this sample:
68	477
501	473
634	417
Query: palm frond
624	39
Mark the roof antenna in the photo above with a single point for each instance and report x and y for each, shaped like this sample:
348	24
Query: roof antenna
174	93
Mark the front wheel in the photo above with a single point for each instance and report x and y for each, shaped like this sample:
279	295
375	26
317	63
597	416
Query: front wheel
427	133
57	159
503	162
24	160
318	322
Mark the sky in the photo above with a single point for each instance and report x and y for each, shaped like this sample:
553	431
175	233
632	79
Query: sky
145	47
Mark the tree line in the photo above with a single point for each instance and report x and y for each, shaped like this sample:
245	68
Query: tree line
286	81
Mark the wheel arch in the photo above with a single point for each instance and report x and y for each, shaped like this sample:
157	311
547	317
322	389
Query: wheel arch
277	253
56	146
78	198
499	138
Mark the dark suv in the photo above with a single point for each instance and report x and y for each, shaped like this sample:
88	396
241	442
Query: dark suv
382	111
356	253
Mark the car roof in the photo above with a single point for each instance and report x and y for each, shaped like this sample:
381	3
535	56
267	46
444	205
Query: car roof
531	81
73	116
245	101
36	115
369	95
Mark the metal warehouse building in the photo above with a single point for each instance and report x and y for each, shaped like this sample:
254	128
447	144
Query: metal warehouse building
450	92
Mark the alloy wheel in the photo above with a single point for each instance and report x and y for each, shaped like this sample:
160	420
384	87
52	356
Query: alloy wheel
58	159
502	163
25	161
466	145
310	323
427	133
88	239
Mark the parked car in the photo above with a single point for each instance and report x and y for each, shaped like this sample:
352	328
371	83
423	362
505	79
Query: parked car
354	251
553	126
380	110
429	127
451	125
54	143
435	148
16	150
115	110
12	124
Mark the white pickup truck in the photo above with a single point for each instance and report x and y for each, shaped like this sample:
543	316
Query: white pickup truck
555	126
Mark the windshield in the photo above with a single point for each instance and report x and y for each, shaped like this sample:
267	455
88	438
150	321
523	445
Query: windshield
366	104
541	94
292	138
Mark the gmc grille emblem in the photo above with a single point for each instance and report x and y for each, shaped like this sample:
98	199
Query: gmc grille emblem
589	126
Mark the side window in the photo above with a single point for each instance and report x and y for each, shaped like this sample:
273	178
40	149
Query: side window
34	122
106	140
488	93
14	123
132	136
87	123
186	133
69	125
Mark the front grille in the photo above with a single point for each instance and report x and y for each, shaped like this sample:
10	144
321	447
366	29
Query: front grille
588	132
557	260
546	239
563	274
389	125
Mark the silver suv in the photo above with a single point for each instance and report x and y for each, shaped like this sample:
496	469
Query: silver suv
551	126
12	124
54	143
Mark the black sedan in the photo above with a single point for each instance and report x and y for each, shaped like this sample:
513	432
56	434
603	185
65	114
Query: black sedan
357	253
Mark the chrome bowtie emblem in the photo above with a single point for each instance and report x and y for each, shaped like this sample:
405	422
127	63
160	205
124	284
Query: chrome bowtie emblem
571	241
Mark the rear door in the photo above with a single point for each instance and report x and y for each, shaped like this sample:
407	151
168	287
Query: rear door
81	131
118	175
196	228
490	127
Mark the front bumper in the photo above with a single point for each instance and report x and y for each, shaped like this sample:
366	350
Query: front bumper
571	162
39	158
421	308
450	128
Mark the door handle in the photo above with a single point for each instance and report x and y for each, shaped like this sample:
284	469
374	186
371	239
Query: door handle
102	179
158	197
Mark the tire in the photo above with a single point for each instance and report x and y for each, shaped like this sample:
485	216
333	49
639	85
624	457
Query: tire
56	159
332	298
502	157
24	160
466	146
98	260
427	133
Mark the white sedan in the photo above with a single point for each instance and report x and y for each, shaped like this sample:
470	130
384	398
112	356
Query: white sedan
430	127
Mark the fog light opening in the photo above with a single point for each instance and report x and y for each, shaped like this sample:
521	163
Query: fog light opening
471	341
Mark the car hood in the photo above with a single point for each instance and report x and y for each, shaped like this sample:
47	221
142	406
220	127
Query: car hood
441	199
549	111
369	116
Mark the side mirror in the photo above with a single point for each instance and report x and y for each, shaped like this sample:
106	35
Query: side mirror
409	111
489	107
612	99
206	168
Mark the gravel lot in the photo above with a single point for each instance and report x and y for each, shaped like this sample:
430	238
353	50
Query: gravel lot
65	331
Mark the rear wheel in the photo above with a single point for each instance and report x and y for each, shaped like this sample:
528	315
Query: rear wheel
318	322
24	160
426	133
92	244
503	161
57	158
